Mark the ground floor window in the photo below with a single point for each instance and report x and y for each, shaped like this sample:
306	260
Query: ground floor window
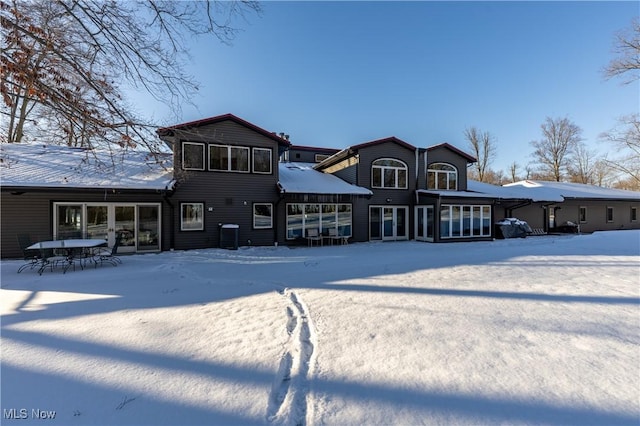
460	221
634	214
609	214
137	224
192	216
262	216
323	217
583	214
388	223
425	223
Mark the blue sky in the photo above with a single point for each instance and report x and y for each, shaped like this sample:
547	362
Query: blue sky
336	74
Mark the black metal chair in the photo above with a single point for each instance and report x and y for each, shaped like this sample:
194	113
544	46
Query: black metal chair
32	257
109	254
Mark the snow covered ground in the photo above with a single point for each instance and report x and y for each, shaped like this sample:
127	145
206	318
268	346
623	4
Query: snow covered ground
543	330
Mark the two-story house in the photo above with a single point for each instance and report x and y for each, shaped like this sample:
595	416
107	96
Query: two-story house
224	172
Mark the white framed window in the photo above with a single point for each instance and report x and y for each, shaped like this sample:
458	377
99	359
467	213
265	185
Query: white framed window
262	215
388	173
228	158
321	157
192	156
460	221
634	214
262	160
191	216
442	176
302	217
583	214
609	214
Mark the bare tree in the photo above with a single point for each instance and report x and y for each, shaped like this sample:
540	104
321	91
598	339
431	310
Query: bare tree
64	63
552	153
627	48
483	147
581	168
513	171
626	138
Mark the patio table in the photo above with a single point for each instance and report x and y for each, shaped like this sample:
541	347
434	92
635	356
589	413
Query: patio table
85	245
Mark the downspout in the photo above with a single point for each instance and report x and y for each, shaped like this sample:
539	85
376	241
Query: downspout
275	213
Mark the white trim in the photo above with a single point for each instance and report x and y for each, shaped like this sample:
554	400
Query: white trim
303	218
199	220
270	226
472	208
229	169
202	145
111	221
253	160
455	171
396	170
607	214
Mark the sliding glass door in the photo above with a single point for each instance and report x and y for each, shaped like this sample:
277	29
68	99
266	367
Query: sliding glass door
388	223
137	224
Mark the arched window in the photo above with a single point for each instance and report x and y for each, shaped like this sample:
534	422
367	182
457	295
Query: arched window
389	173
442	176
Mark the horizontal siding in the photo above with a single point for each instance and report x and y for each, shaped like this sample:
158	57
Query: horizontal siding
32	213
229	195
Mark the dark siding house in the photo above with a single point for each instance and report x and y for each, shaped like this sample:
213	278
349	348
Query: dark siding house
53	192
226	177
227	173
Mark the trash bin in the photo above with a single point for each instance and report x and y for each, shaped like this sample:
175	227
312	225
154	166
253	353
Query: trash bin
229	236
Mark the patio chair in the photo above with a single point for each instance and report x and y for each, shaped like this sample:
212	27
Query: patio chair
106	254
313	235
51	258
333	235
31	257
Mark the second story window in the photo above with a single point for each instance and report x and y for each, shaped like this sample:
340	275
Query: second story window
261	160
442	176
192	156
229	158
389	173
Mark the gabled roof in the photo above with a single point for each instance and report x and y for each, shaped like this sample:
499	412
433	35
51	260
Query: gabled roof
168	131
470	158
314	149
53	166
392	139
547	191
353	150
301	178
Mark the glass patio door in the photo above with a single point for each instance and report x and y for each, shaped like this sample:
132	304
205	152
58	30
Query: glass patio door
125	224
388	223
98	222
139	224
424	226
106	221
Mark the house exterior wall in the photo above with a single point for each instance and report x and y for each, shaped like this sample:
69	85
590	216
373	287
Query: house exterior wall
307	154
228	197
383	197
444	155
32	213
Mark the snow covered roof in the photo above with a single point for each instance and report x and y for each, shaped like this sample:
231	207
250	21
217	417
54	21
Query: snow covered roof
509	192
552	191
461	194
301	178
537	191
53	166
